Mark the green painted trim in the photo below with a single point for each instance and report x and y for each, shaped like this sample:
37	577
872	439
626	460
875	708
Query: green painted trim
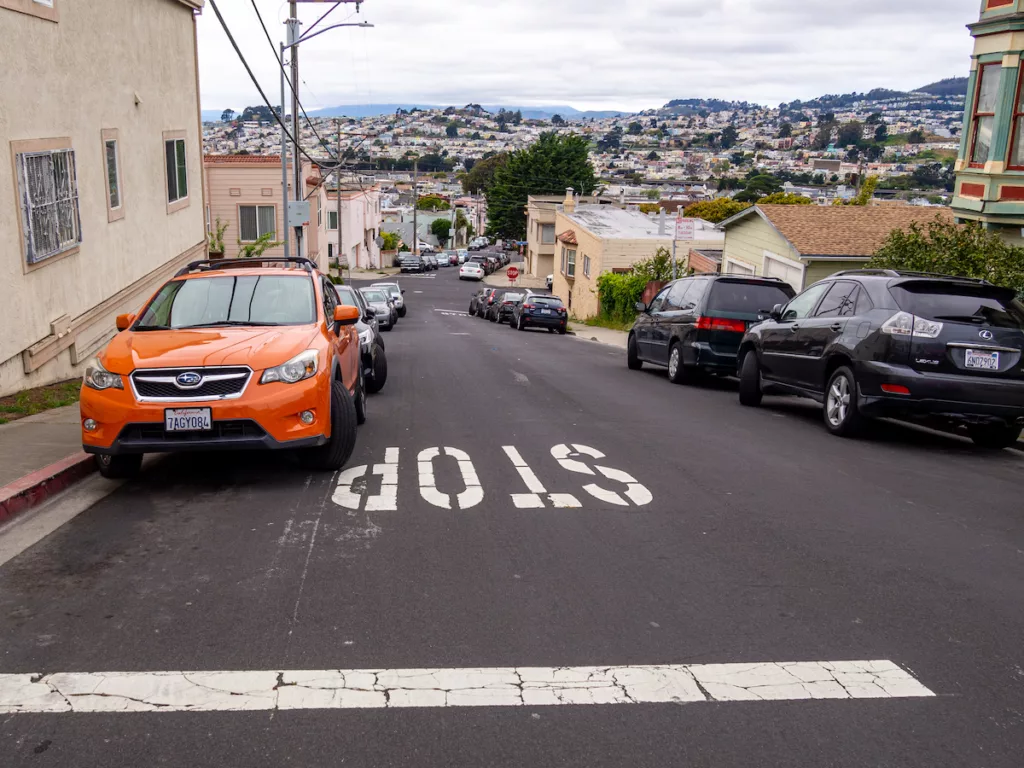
990	58
1004	113
965	131
966	205
1005	209
997	21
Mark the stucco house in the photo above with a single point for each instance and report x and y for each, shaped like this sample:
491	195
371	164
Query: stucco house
101	198
593	239
801	244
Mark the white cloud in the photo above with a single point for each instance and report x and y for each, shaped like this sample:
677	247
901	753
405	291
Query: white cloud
592	54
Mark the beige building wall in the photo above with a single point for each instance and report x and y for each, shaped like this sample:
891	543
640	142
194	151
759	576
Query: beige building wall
93	71
540	211
236	180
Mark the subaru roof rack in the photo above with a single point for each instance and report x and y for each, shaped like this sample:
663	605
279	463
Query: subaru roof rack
202	264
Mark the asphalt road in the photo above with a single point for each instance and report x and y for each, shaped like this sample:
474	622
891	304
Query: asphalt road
764	540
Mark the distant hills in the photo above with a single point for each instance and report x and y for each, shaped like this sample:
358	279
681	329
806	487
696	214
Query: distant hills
373	110
951	86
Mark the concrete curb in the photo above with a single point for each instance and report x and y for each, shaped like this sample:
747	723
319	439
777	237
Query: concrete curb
35	488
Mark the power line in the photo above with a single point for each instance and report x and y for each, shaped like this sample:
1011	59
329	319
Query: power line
291	85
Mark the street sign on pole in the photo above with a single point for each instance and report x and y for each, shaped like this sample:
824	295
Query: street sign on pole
512	273
685	228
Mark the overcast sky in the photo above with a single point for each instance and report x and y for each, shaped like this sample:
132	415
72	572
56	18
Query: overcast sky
591	54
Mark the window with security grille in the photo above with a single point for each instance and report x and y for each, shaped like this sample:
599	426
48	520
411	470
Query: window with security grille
48	192
177	170
255	221
113	180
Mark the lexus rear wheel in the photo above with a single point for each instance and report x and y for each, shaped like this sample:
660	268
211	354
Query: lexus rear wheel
842	415
994	436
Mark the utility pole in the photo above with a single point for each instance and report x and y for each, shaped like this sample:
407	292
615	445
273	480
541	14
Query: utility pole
284	163
293	38
337	183
415	205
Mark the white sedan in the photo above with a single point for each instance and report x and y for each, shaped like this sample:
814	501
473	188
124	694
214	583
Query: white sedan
471	270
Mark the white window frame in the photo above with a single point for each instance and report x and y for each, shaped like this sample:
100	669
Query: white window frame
180	164
60	212
332	215
319	212
771	256
586	265
746	267
570	262
259	234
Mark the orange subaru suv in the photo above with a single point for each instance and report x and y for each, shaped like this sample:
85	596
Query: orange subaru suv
237	354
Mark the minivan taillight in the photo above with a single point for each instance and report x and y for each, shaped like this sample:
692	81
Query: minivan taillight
720	324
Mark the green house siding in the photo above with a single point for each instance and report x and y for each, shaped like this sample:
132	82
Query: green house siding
819	270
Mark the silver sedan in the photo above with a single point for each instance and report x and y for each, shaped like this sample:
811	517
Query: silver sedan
382	306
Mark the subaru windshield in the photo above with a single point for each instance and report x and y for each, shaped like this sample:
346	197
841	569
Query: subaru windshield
246	300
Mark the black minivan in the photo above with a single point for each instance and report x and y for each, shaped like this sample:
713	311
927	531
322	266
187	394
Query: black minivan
696	323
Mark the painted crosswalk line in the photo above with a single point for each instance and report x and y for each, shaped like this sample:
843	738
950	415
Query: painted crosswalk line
468	687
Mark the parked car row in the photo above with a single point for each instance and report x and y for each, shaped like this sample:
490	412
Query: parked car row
862	343
520	308
258	353
479	243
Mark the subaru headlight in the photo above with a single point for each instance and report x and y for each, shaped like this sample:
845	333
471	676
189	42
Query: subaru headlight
98	377
300	367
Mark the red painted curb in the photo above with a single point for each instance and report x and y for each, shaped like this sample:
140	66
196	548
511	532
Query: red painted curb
35	488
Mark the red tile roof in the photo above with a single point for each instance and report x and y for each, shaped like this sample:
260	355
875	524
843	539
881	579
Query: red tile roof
568	237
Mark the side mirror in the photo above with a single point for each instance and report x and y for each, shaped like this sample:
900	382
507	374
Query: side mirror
371	312
346	316
776	313
124	322
641	307
403	291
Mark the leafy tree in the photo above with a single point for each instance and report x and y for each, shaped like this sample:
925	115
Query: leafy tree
875	118
618	293
823	137
546	167
557	120
826	118
475	136
873	153
867	191
611	140
819	179
966	250
783	198
433	203
759	186
881	133
850	133
452	130
468	163
728	137
390	241
648	208
652	155
481	175
635	129
916	136
785	130
716	210
262	244
227	115
440	228
653	194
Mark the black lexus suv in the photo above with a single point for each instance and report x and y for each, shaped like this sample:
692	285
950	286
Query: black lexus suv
877	342
696	324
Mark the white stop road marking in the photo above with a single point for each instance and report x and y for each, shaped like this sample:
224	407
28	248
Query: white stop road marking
469	687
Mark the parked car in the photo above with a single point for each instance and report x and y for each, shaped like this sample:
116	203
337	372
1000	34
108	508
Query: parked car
486	301
384	309
371	343
493	261
411	263
254	356
501	310
394	290
537	311
429	262
869	343
485	265
471	270
696	324
463	255
443	259
425	247
476	300
453	259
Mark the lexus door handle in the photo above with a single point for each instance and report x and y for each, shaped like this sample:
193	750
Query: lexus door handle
794	328
836	327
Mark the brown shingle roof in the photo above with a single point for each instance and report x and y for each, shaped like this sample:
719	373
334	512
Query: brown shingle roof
242	159
568	237
847	230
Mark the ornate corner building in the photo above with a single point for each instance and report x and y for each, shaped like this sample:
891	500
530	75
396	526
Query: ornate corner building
990	165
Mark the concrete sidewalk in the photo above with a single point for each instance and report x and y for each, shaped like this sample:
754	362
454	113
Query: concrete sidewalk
500	279
39	456
600	335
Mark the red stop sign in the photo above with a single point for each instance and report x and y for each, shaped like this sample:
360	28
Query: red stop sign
512	272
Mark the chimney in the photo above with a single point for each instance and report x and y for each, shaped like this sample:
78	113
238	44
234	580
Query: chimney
570	202
622	196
